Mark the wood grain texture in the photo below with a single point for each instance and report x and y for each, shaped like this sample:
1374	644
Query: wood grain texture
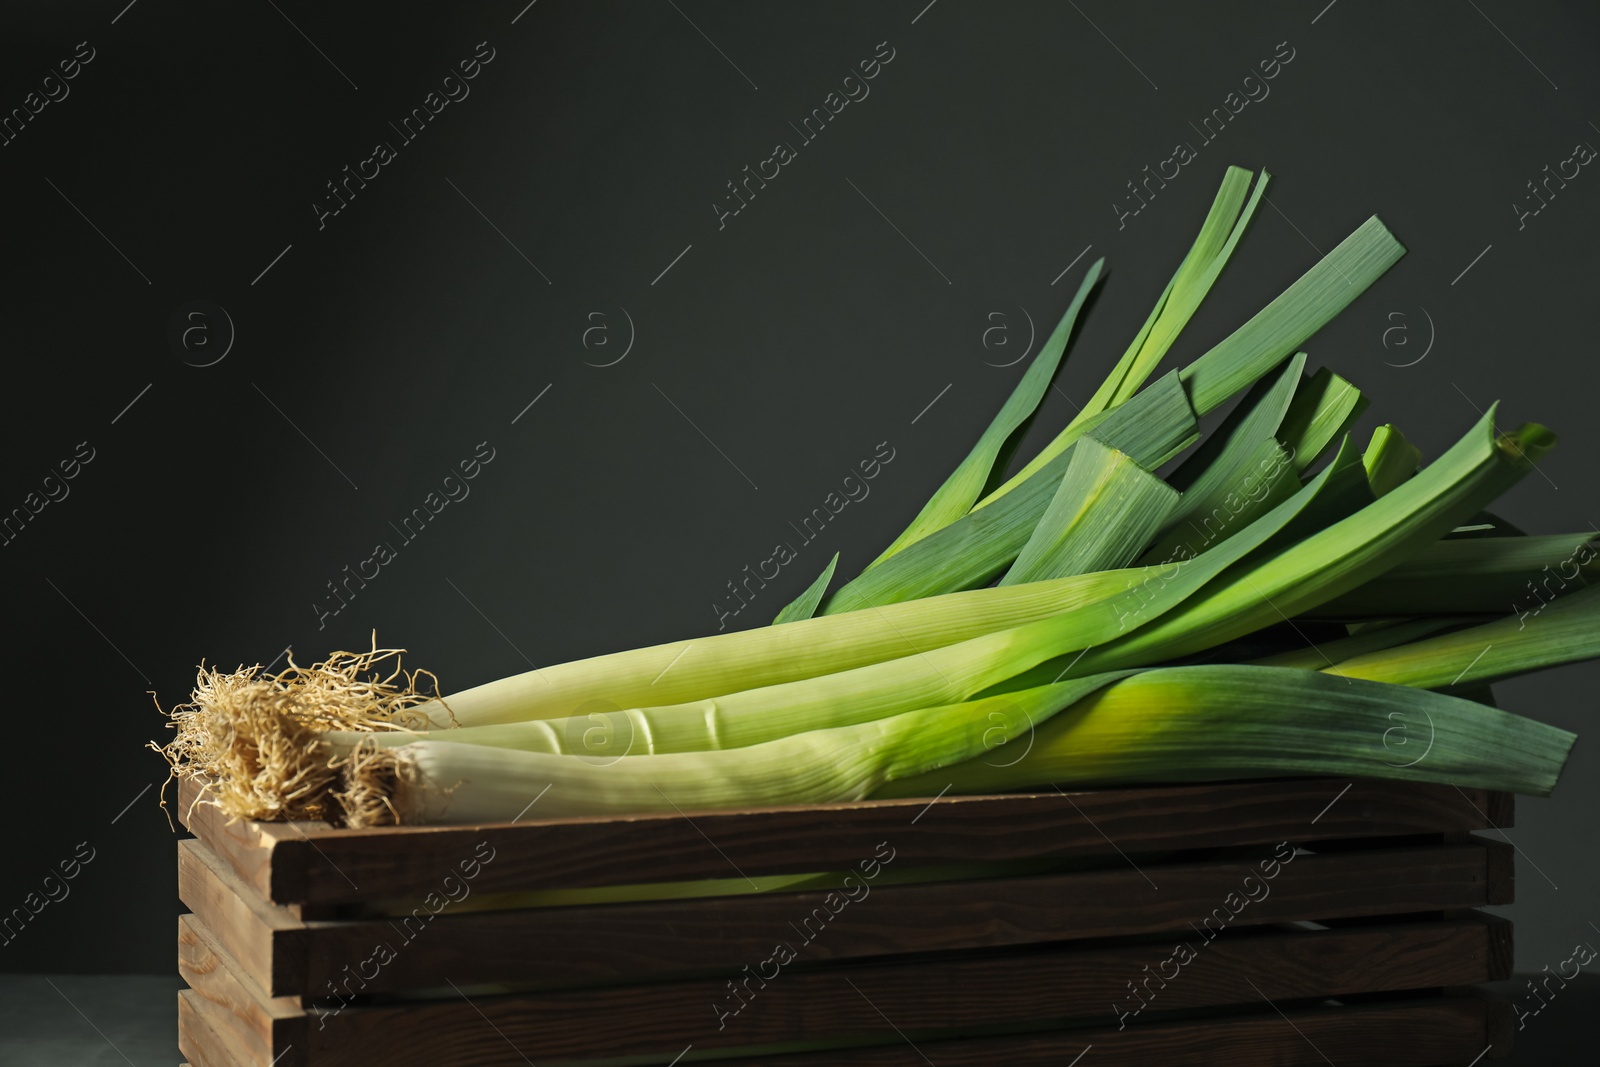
967	990
313	863
250	848
1502	950
1405	1032
249	1021
267	941
612	943
200	1041
1500	809
1421	1033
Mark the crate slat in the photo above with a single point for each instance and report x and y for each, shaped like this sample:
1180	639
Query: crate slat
973	990
249	847
199	1040
604	942
612	942
314	863
266	939
1404	1033
1423	1033
251	1022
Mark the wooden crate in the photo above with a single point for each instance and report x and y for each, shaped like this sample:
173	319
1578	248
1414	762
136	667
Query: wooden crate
1359	948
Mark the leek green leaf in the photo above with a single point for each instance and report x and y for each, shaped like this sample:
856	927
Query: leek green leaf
1103	514
1561	632
977	548
1324	408
1265	477
805	605
1225	464
1219	235
966	483
1297	313
1336	559
1187	724
1461	575
1390	459
1367	639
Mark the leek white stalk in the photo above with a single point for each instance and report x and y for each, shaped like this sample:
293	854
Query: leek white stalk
441	782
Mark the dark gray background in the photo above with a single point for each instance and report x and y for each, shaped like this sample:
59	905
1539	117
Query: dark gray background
770	358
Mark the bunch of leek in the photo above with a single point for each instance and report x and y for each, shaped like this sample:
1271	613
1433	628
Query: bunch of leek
1102	622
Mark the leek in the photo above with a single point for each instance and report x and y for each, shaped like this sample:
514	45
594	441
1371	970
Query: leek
904	680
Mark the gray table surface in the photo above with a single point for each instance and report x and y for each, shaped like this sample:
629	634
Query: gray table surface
74	1020
94	1020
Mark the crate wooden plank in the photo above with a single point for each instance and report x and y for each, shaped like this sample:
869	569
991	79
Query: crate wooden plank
1421	1033
312	863
968	990
198	1040
249	847
609	943
265	939
251	1022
